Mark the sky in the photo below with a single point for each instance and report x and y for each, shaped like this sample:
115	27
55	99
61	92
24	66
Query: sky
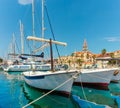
72	21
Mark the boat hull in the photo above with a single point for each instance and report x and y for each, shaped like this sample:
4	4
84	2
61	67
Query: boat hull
97	78
49	81
17	68
22	68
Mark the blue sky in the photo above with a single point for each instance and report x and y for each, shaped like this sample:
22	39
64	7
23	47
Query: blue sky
97	21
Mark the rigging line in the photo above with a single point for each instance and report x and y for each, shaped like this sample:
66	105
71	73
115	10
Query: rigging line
72	77
17	47
29	46
52	32
27	43
84	91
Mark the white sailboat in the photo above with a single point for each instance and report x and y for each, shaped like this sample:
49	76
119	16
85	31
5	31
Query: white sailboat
51	79
59	81
27	64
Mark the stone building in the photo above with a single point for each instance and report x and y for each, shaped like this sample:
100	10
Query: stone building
84	58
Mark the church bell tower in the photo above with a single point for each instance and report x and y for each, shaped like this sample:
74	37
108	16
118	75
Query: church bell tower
85	48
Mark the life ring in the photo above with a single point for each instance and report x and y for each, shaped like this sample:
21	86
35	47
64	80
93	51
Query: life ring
115	72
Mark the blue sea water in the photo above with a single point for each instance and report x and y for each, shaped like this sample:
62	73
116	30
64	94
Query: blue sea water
15	93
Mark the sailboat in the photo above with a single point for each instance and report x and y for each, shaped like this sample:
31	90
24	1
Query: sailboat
21	63
27	64
57	81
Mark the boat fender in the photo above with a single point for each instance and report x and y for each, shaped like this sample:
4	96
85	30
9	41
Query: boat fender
115	72
33	67
76	76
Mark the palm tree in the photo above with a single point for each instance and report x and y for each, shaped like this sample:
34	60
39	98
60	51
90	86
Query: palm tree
104	51
112	55
72	54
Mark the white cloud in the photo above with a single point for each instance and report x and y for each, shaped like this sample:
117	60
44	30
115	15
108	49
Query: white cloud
24	2
112	39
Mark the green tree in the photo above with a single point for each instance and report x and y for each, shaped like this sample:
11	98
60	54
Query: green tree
79	62
103	51
69	61
112	55
1	60
72	54
87	56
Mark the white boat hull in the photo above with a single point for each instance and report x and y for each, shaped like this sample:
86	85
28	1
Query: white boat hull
50	80
96	78
22	68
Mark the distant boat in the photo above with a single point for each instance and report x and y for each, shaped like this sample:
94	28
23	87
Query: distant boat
95	78
27	67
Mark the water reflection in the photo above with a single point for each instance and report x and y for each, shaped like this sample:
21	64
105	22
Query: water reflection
11	94
115	88
50	101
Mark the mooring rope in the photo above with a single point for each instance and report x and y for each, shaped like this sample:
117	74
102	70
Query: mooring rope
78	72
84	93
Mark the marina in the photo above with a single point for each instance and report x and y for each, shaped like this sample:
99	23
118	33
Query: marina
36	72
15	93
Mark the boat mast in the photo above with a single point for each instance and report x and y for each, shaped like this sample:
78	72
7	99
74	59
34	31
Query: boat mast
33	22
51	54
43	28
22	37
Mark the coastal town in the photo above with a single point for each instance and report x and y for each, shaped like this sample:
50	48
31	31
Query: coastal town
87	59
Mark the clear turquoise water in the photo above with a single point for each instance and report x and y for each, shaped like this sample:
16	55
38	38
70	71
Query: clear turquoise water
14	93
